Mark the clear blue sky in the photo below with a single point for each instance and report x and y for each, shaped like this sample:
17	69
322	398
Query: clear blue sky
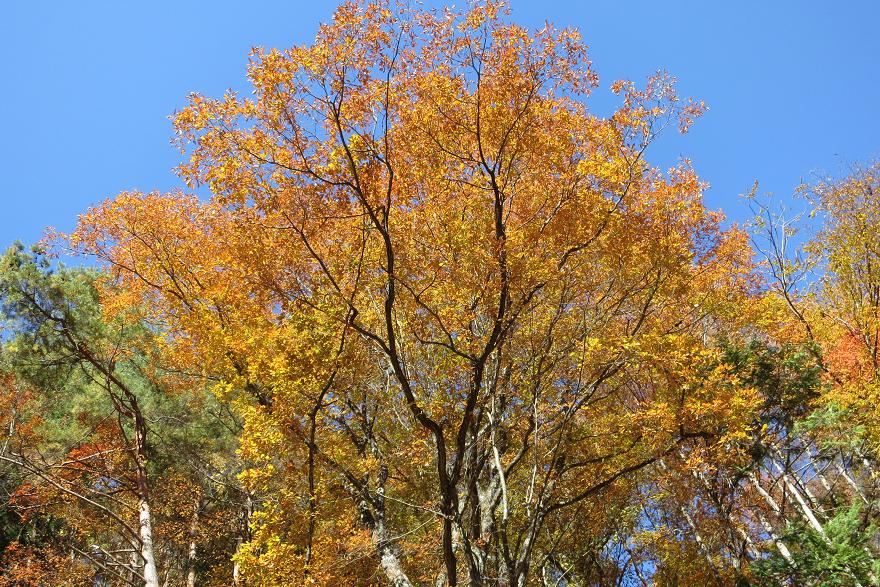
86	87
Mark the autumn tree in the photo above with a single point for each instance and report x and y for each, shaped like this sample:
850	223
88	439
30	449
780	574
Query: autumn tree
460	315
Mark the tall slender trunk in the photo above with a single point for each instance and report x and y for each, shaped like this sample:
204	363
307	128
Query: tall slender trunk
701	544
151	575
768	527
698	538
763	492
780	545
236	566
841	470
135	562
391	565
751	551
148	555
243	534
816	465
742	547
869	468
811	517
192	551
806	510
805	507
795	482
389	561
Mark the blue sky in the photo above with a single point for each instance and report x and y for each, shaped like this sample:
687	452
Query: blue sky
86	87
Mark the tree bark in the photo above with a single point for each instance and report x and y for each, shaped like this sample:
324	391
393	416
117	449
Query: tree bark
242	537
151	575
192	551
780	545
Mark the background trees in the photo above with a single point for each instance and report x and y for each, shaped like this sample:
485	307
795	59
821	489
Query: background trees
115	457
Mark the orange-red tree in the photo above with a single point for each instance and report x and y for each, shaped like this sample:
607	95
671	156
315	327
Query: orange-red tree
460	315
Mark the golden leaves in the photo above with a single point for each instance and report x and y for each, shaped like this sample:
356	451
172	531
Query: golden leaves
414	201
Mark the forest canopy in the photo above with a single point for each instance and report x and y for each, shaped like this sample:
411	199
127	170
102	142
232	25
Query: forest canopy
418	316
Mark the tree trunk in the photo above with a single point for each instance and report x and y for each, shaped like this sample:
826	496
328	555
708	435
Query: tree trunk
236	566
192	552
242	537
780	545
768	527
135	561
701	544
391	565
389	561
151	575
841	470
805	507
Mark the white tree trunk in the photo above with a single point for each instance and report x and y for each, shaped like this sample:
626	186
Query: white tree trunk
151	576
242	535
236	566
780	545
849	479
192	552
388	559
805	507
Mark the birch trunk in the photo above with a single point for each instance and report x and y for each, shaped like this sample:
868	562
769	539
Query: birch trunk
768	527
805	507
151	575
389	562
192	552
841	470
780	545
242	536
701	544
